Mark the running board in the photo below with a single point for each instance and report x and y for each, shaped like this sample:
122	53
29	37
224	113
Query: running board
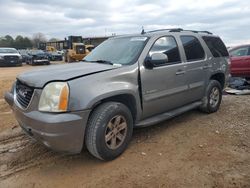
167	115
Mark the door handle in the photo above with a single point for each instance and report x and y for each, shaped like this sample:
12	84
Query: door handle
180	72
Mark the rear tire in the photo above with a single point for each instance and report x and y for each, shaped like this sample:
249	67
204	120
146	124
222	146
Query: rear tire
109	130
212	100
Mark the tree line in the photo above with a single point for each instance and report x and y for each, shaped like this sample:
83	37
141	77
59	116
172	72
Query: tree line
22	42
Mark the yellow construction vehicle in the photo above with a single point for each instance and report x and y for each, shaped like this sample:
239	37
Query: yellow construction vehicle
76	50
89	48
50	49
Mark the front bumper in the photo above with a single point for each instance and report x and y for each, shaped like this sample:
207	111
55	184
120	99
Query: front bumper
4	63
62	132
40	61
78	57
56	58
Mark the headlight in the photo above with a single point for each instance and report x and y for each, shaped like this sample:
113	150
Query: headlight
1	57
54	97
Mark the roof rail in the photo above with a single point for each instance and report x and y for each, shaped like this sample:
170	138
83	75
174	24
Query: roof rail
199	31
176	30
170	30
208	32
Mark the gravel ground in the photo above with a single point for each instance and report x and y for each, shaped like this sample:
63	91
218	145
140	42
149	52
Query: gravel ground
192	150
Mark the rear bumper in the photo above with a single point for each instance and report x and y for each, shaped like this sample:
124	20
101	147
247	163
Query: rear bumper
62	132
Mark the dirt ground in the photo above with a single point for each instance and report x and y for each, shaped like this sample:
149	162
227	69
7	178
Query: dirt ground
192	150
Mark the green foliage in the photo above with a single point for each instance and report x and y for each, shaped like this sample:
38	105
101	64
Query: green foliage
19	42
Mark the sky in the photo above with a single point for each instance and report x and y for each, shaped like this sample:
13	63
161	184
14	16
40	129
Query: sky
230	19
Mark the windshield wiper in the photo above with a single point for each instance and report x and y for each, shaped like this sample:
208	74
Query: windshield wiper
99	61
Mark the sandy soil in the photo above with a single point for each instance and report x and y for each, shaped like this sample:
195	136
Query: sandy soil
192	150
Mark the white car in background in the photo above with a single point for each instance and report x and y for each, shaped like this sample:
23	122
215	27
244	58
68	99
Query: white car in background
10	57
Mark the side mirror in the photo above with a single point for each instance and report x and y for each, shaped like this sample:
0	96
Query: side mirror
156	59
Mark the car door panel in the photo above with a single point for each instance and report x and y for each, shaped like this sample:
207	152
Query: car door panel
165	91
164	87
240	61
239	65
196	67
196	75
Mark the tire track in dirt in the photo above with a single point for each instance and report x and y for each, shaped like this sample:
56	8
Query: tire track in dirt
19	152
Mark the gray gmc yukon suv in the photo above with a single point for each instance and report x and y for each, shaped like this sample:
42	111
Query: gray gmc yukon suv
127	81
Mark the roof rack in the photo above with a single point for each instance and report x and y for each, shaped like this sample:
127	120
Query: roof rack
199	31
176	30
170	30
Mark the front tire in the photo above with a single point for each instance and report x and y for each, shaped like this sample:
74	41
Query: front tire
212	100
69	59
109	130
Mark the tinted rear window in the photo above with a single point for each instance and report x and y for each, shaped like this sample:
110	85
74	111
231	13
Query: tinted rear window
216	46
193	48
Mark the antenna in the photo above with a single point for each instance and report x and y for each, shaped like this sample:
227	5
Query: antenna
142	30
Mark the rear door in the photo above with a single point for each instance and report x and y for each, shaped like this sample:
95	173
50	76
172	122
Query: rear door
240	61
196	67
164	87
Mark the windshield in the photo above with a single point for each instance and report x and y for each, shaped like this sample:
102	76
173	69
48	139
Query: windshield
8	50
34	52
80	49
124	50
23	52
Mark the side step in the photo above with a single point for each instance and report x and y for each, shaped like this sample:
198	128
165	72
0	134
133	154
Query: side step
167	115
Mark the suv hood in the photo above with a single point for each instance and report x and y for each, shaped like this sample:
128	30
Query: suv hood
38	78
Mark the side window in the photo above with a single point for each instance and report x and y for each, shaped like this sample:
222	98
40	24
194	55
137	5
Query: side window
193	48
216	46
168	46
240	52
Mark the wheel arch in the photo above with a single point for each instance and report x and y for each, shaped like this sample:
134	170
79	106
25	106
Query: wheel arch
127	99
220	77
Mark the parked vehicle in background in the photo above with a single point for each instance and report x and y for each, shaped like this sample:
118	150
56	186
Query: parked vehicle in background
60	52
77	50
55	56
39	57
10	57
26	58
50	49
89	48
125	82
240	61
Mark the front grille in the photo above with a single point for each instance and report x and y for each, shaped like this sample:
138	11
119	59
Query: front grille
11	58
80	50
23	94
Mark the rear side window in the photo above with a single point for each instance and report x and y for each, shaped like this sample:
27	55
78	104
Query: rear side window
216	46
193	48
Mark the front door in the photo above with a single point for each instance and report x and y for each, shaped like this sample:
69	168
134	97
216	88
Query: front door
164	87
